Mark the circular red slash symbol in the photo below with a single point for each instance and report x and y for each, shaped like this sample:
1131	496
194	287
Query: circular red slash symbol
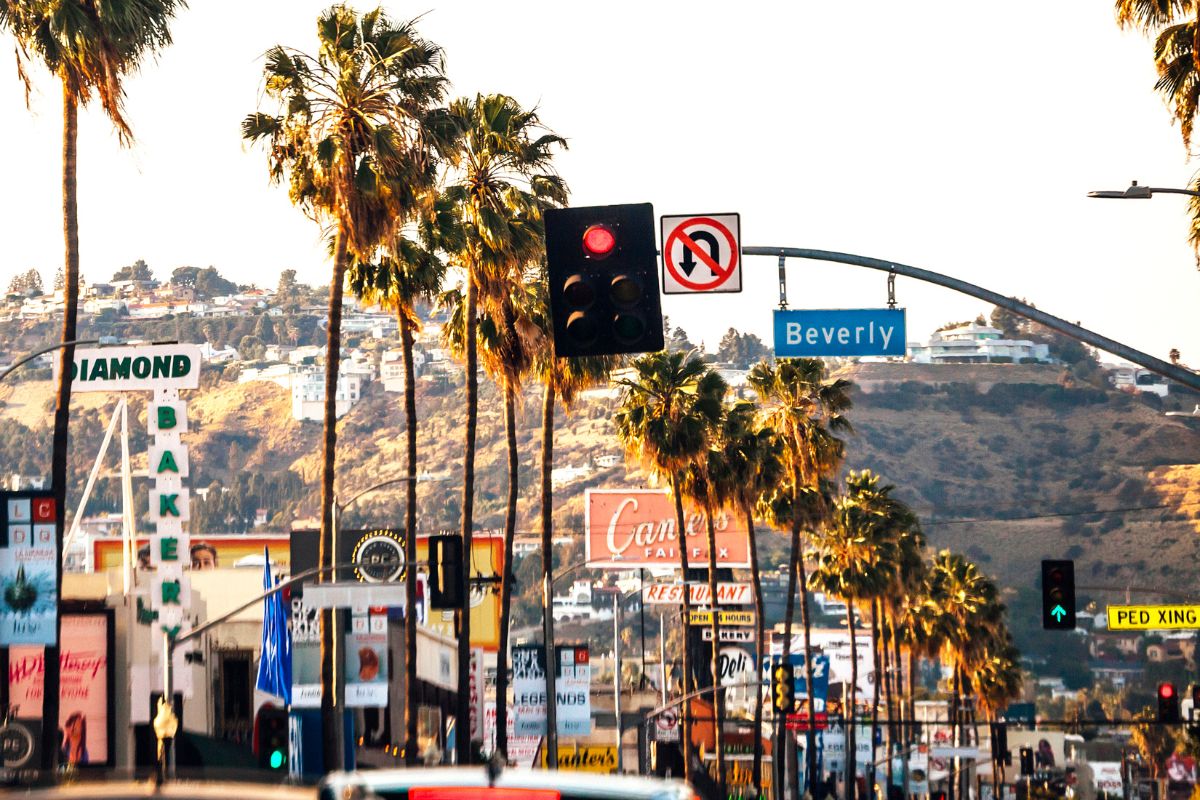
720	273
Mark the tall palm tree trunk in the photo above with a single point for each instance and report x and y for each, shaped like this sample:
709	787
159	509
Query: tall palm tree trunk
548	571
62	408
876	610
852	694
330	707
911	711
952	783
506	580
410	544
463	712
810	749
889	673
685	726
760	646
715	627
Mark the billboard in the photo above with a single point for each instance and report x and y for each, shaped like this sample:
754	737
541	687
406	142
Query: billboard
28	558
85	686
143	367
632	528
573	682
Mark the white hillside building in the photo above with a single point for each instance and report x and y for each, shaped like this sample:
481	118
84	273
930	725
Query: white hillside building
975	344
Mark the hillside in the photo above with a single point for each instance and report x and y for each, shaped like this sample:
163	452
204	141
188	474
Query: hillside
1001	461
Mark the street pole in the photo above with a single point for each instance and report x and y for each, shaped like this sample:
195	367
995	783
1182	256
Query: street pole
662	656
551	668
617	673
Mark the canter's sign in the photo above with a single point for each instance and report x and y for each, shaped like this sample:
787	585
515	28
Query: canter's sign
139	368
1153	618
631	528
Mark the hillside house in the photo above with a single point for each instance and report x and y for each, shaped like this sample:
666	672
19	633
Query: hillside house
976	344
581	603
391	369
308	395
1128	378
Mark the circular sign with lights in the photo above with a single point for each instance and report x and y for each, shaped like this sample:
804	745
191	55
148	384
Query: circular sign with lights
379	557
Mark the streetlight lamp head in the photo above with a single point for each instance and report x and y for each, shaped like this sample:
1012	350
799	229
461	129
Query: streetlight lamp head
1134	192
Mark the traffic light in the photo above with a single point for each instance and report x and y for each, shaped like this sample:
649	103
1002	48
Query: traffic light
271	738
783	688
603	271
1058	595
1000	742
1194	715
445	571
1026	760
1168	703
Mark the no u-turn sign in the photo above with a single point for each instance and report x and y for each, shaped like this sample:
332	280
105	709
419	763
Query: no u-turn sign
702	253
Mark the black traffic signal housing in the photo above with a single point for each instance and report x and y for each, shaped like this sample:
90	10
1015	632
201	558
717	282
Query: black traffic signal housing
1194	719
1058	595
1026	756
1000	751
446	571
271	738
1168	703
783	688
602	266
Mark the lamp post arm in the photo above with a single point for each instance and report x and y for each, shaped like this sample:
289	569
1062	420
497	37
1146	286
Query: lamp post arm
369	489
1161	190
43	351
1167	370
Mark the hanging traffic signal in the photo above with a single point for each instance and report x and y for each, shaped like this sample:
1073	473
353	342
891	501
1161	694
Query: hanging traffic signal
783	688
445	571
1058	595
1168	703
271	738
603	271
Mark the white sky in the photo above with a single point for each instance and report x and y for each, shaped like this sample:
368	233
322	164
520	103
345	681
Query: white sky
960	137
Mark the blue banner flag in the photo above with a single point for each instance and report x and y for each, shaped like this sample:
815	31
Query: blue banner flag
275	663
839	332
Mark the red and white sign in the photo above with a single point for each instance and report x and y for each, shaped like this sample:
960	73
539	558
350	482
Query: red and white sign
631	528
702	253
799	722
728	594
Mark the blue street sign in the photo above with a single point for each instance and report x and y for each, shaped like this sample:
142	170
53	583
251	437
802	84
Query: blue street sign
839	332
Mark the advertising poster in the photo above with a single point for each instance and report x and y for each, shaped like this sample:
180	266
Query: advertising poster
28	582
1106	775
476	694
835	644
366	670
522	750
629	528
83	693
306	654
529	689
573	687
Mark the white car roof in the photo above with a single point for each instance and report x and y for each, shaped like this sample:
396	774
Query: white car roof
571	784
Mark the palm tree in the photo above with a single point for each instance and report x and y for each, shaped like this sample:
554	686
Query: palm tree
562	379
411	274
668	410
510	345
698	487
91	48
354	136
997	681
909	577
807	410
502	173
747	464
855	562
964	614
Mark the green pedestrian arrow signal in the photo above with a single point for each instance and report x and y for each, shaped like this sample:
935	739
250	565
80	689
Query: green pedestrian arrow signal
1058	595
1058	612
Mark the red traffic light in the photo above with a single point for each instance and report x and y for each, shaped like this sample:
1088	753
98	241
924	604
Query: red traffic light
1166	690
599	241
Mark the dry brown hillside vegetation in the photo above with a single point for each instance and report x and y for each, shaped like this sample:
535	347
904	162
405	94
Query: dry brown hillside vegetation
1002	462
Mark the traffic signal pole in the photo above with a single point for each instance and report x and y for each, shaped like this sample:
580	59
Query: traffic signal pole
1156	365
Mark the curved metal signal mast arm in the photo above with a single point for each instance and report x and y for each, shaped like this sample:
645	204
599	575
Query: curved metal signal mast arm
1167	370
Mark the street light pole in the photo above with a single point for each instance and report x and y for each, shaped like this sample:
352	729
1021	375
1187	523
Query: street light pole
43	351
